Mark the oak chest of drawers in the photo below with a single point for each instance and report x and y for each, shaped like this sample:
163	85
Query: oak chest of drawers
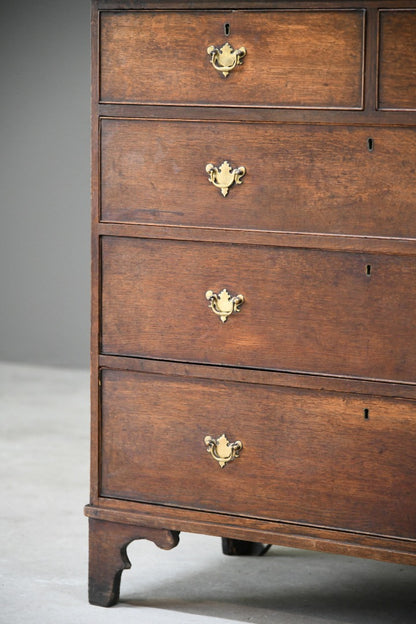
254	277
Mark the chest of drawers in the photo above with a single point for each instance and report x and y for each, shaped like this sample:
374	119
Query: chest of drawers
253	345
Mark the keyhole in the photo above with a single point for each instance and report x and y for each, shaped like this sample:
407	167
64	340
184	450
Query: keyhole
366	413
368	269
227	29
370	144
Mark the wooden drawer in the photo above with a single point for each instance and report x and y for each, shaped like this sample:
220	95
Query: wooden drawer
325	459
301	59
298	178
304	310
397	60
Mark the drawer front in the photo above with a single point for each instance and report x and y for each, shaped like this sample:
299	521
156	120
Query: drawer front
302	59
325	459
298	178
397	60
304	310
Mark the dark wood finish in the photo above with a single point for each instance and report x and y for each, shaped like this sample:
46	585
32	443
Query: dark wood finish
154	172
111	5
308	537
397	70
359	244
154	426
265	377
305	310
311	59
319	79
108	543
368	116
95	257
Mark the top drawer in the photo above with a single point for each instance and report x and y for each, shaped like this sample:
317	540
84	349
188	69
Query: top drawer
294	59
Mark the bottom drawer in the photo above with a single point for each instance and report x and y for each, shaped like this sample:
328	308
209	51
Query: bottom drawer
320	458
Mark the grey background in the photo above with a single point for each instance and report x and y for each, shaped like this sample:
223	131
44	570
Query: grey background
44	181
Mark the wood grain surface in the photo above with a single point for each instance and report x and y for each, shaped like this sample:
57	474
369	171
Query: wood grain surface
307	59
316	374
307	457
304	310
397	62
299	178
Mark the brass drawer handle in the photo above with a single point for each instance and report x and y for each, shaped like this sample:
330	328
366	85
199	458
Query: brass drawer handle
225	58
224	176
223	304
222	450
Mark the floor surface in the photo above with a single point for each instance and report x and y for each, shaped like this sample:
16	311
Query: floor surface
44	420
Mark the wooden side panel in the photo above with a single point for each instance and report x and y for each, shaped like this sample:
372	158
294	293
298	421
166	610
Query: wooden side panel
305	59
304	310
307	457
299	178
397	60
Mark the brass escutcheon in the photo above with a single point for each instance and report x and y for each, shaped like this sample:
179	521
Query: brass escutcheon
222	450
224	176
225	58
223	304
